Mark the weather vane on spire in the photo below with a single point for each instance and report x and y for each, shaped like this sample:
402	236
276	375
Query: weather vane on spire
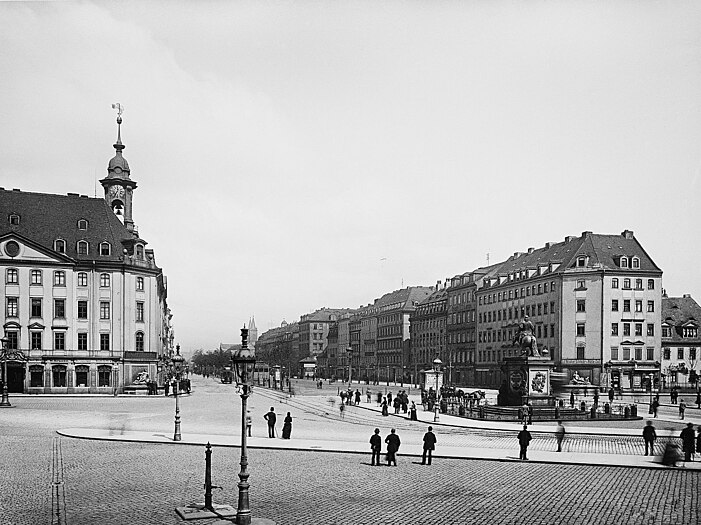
119	108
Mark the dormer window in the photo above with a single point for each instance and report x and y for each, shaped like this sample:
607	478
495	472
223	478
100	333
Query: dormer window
139	251
14	219
635	263
82	248
105	248
581	262
623	263
82	224
60	245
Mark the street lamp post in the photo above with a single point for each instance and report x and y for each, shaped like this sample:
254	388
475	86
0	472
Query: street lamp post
437	368
8	354
178	361
349	351
243	363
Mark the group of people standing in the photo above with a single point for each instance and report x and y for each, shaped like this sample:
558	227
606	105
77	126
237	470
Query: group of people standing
691	443
271	418
393	442
400	403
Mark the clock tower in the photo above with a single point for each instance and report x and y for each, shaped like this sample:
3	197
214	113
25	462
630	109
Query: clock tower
118	186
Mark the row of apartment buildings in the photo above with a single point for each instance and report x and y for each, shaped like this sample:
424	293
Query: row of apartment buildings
596	302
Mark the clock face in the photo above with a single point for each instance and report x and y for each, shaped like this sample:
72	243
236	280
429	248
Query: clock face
117	191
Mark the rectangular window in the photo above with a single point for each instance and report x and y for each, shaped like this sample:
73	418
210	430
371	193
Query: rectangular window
36	340
103	376
638	353
59	376
104	310
614	328
680	353
12	340
36	376
12	306
626	284
552	330
104	280
82	279
626	353
580	352
650	330
626	305
580	284
580	330
36	307
667	354
581	305
545	309
626	329
35	277
614	305
59	278
614	353
140	284
59	308
12	276
638	329
82	309
692	353
104	341
638	306
638	284
614	283
59	340
651	306
650	284
666	331
650	353
82	341
81	375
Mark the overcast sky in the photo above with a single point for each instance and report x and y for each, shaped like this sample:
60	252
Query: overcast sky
295	155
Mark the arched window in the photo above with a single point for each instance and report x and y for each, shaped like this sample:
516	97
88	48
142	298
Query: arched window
82	247
14	219
139	341
58	373
105	248
81	375
104	374
635	263
60	246
139	251
624	262
82	224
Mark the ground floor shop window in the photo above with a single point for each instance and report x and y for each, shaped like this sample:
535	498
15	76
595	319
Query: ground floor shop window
36	375
59	376
81	375
104	374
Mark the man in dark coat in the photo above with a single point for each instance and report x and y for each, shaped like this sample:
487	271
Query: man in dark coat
688	436
429	445
524	438
271	418
611	394
393	443
376	447
649	436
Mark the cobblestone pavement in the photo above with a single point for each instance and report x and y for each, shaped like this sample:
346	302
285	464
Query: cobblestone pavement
49	479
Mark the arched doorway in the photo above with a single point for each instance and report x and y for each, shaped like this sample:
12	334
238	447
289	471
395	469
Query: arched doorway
15	377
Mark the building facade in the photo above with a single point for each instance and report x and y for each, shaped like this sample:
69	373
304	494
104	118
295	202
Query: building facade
681	341
427	330
314	328
83	297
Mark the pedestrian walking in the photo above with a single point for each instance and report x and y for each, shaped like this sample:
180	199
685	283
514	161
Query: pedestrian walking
376	447
682	408
379	398
287	426
397	404
389	398
429	446
342	408
357	397
249	422
649	436
612	393
596	398
166	387
524	414
368	395
385	412
524	438
271	418
393	443
572	398
412	412
559	435
530	413
688	438
655	406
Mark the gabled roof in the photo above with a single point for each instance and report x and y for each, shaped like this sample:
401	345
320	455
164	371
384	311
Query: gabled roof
406	296
677	311
46	217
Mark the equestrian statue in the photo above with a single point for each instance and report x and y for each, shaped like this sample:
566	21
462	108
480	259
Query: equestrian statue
525	338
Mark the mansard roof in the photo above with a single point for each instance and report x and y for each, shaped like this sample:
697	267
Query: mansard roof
45	217
406	296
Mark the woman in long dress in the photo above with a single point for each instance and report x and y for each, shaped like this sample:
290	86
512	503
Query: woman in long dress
287	427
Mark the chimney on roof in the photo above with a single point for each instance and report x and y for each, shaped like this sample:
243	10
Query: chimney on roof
517	255
687	296
72	194
438	285
569	238
548	244
628	234
585	233
16	189
664	292
531	250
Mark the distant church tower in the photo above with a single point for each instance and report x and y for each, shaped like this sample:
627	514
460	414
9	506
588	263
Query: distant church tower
252	332
118	186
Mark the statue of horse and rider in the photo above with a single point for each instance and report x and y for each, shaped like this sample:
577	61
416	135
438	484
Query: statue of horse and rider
525	338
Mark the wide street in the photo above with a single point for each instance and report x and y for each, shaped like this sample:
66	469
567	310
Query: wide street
49	478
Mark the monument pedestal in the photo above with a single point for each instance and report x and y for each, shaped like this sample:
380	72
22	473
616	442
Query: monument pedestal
527	381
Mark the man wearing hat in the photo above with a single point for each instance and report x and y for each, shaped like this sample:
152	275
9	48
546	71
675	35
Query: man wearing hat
376	447
687	436
429	445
